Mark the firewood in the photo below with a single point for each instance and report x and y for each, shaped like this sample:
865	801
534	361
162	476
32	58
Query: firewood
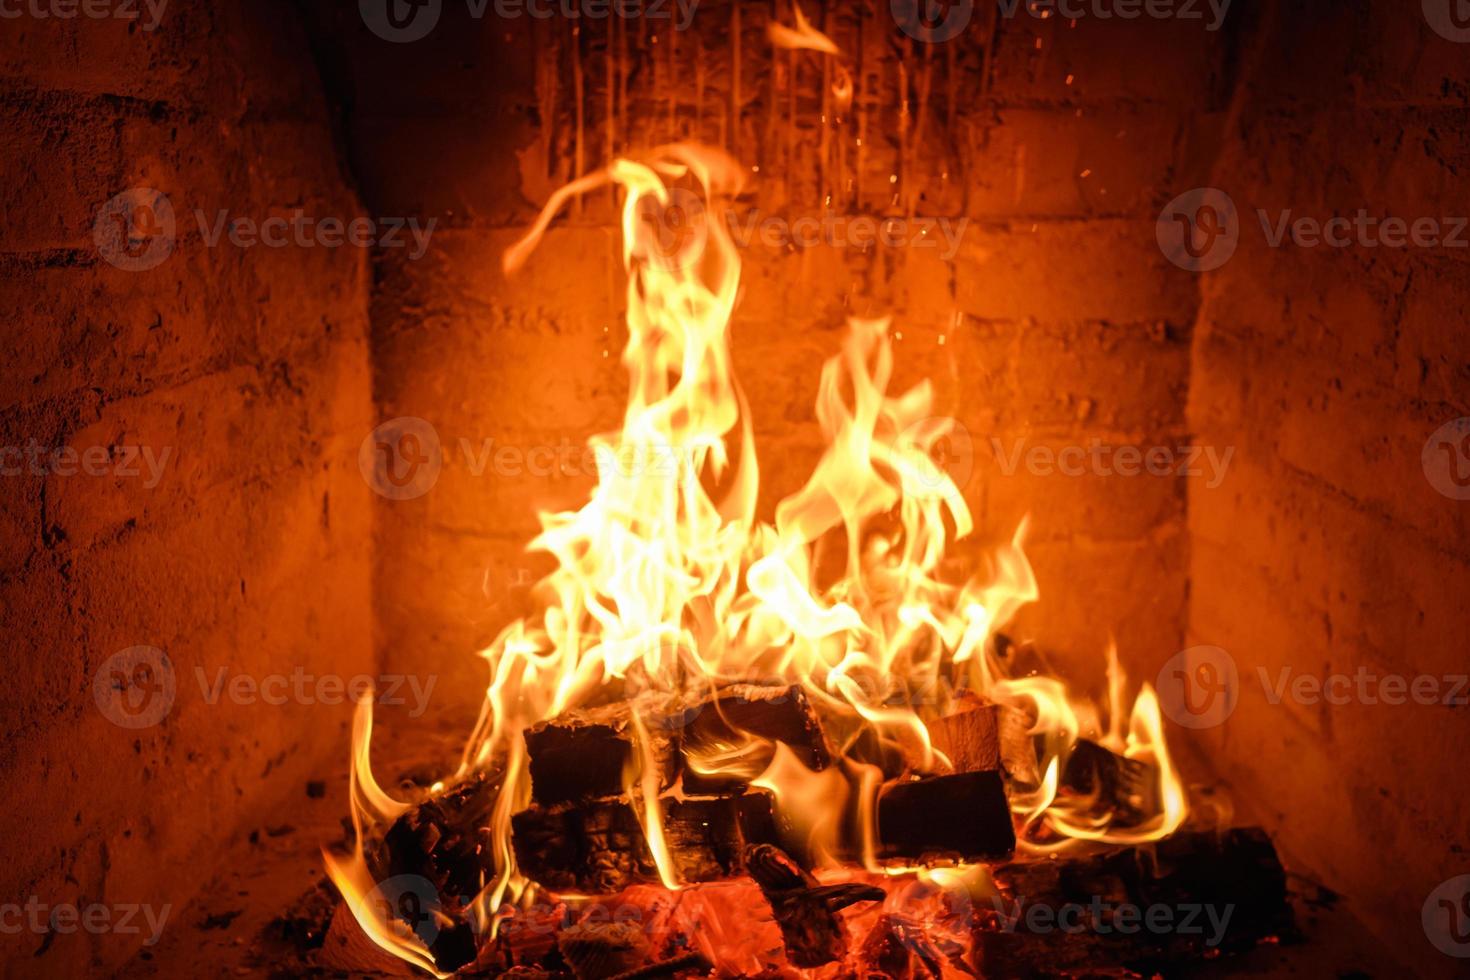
583	754
443	841
962	816
1193	875
901	948
598	950
805	910
673	966
735	714
1127	788
599	847
969	736
1018	755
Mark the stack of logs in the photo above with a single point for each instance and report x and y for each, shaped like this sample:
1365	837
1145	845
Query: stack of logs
582	833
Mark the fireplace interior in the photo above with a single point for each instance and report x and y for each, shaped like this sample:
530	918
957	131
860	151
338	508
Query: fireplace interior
710	489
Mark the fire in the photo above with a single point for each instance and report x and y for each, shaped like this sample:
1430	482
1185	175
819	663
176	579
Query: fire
667	584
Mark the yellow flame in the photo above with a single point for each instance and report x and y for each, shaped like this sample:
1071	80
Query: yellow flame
804	36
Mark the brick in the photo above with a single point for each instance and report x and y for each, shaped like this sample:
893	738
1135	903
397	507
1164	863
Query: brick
1033	57
1063	270
1029	163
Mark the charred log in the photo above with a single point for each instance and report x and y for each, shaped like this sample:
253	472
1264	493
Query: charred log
963	816
443	840
1147	908
734	715
599	847
900	948
1127	788
583	754
805	910
598	950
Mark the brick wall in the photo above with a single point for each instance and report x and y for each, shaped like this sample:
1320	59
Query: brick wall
248	549
1327	550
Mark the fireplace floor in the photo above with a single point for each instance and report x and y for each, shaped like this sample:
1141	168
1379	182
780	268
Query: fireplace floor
268	909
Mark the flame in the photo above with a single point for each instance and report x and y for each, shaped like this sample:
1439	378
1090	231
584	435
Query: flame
666	585
803	37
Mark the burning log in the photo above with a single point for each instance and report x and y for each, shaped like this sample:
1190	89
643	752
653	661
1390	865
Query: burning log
1128	788
970	736
964	815
674	965
598	950
443	841
805	910
898	947
739	712
1018	746
583	754
1146	908
599	847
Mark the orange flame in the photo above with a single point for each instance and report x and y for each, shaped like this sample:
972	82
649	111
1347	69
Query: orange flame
804	36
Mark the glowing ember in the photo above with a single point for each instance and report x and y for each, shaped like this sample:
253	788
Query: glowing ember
668	587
